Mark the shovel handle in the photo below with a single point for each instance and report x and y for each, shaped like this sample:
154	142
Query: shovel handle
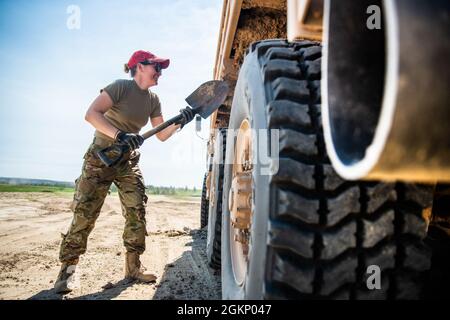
120	148
162	126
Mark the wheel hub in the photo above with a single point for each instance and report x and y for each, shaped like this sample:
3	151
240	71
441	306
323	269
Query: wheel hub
240	201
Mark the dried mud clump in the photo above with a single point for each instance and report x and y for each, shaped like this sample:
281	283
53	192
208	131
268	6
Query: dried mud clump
257	24
271	4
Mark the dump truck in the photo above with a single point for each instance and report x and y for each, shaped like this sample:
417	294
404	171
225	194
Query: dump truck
326	158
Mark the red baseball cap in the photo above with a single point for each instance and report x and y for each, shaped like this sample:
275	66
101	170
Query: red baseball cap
141	56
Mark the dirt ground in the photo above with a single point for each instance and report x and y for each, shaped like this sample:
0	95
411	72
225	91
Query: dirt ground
30	233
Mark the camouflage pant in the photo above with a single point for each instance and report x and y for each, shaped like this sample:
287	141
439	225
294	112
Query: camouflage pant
91	189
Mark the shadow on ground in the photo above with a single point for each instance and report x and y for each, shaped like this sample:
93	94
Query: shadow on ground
190	277
47	295
112	291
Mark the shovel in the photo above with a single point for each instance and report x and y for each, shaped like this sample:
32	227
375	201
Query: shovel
204	101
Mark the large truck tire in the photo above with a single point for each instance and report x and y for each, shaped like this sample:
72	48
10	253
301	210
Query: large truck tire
439	240
204	204
312	235
213	241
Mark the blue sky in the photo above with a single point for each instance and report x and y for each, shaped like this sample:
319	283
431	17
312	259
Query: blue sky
51	74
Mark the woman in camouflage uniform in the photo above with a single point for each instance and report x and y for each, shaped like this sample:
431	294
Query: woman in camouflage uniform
118	114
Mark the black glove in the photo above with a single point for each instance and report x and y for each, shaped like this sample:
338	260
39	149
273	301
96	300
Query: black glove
133	140
188	114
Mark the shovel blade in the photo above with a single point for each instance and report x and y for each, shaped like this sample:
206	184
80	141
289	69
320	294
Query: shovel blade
208	97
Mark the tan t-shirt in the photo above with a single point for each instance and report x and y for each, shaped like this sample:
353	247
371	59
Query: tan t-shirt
132	107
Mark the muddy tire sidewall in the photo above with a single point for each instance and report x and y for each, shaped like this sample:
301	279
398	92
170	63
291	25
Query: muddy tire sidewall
213	210
248	102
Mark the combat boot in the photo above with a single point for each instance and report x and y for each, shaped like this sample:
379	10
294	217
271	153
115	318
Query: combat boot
135	270
65	282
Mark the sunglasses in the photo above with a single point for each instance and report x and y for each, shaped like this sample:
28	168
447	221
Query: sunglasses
158	67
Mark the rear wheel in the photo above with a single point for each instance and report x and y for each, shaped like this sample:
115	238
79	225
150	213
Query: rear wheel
301	231
213	241
204	205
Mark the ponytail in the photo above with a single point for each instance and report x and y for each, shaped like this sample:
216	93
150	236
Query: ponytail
127	70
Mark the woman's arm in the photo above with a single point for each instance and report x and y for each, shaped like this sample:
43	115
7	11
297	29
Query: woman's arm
167	132
95	115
